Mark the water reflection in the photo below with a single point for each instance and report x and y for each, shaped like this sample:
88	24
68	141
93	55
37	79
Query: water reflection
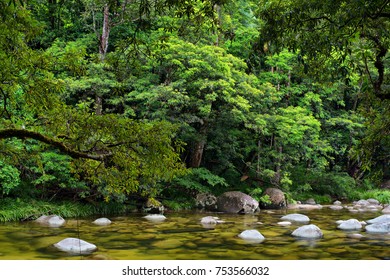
182	236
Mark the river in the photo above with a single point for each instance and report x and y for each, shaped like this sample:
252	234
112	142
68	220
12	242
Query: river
182	237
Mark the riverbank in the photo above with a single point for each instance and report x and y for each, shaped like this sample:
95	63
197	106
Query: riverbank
22	209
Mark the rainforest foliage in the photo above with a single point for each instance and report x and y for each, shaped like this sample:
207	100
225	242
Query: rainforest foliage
104	100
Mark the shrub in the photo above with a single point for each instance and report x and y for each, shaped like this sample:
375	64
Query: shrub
9	178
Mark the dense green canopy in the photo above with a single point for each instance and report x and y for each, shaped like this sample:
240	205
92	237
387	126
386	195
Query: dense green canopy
105	99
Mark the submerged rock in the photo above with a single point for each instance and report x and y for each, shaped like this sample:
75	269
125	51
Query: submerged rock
284	224
308	231
52	220
299	218
355	236
251	235
351	224
75	246
102	222
211	220
155	217
379	227
236	202
336	207
380	219
304	206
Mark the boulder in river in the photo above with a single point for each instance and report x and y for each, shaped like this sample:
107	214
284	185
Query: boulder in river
75	246
236	202
380	219
276	197
102	222
299	218
379	228
251	235
308	231
351	224
155	217
51	220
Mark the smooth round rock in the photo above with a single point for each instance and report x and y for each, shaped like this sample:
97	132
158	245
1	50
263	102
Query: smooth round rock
386	210
102	222
351	224
355	236
308	231
379	228
155	218
211	220
336	207
75	246
299	218
380	219
285	223
52	220
373	201
251	235
337	202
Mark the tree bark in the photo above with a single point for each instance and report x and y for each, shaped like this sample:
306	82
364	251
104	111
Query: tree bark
103	46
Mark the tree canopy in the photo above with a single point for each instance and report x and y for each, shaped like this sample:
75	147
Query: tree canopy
104	99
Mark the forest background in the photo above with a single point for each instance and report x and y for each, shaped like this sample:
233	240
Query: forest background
105	103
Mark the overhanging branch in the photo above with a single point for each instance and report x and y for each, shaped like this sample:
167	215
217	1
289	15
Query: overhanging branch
23	133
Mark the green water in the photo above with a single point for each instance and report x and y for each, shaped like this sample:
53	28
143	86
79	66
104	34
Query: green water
181	236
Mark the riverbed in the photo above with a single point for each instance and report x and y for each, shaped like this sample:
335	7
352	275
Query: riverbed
182	237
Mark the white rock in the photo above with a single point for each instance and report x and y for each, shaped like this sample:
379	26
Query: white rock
340	222
386	210
308	231
300	218
286	223
210	220
379	228
380	219
362	202
102	222
155	217
351	224
373	201
75	246
336	207
355	236
251	235
52	220
337	202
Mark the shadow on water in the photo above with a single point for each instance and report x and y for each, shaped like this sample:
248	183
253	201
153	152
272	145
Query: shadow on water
181	236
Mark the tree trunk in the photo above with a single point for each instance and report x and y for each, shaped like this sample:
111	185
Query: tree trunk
196	154
197	148
103	46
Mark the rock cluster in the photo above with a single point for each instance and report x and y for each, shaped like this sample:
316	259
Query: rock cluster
51	220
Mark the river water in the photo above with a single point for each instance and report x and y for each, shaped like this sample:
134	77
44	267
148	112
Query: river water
182	237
